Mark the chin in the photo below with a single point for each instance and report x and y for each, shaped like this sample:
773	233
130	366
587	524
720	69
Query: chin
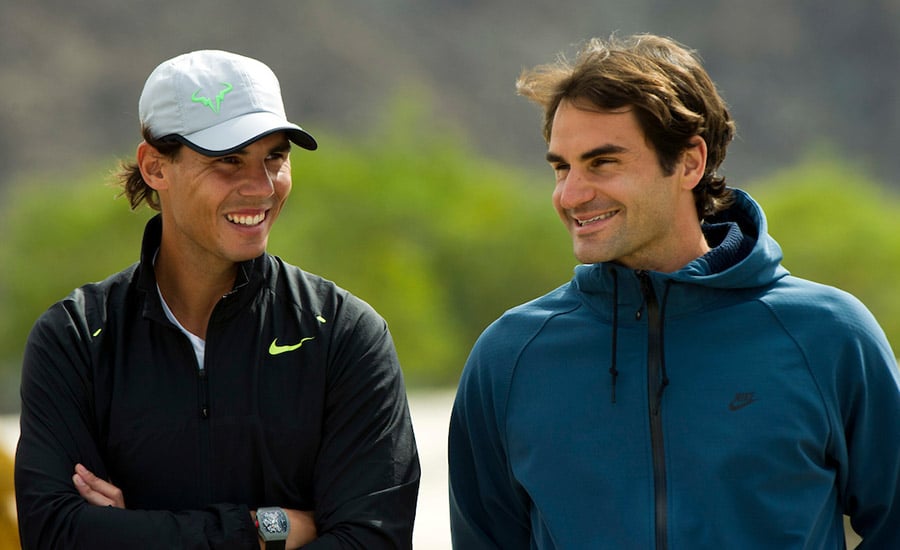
247	254
589	258
582	255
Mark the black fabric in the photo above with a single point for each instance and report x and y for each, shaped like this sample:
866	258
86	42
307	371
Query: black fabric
109	382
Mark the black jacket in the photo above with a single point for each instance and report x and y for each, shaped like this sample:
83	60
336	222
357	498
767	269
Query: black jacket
110	382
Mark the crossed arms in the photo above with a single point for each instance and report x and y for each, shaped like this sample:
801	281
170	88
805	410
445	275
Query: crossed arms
102	493
361	478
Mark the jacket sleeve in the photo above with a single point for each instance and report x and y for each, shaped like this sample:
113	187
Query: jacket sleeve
58	430
867	391
367	472
488	508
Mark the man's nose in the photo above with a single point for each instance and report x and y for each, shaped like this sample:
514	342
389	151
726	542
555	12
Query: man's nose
259	181
575	190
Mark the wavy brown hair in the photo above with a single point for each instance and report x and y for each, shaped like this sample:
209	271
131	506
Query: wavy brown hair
130	179
673	97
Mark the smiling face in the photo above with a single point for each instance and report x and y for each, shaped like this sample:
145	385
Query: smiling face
613	196
218	211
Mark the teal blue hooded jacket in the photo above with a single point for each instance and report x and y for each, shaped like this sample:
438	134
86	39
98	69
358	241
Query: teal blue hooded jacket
725	405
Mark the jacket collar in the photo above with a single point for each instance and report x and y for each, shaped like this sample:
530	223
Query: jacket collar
743	256
251	275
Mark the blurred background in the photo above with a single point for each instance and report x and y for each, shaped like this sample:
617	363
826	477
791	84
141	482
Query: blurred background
429	196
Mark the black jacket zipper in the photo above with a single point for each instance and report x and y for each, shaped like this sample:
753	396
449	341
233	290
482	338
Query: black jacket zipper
654	381
204	443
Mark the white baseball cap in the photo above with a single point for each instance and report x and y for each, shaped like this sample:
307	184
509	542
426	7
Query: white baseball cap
216	102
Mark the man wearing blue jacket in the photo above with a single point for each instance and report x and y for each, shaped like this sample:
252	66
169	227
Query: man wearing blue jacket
212	395
683	390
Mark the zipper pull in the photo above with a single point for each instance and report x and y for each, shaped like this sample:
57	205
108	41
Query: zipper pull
646	291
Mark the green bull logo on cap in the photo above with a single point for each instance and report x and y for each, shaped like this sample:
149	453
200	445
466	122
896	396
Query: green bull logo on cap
208	102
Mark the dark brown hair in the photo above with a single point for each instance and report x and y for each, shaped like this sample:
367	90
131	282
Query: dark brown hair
129	176
673	97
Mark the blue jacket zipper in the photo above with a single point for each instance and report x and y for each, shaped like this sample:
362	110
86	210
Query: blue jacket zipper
654	358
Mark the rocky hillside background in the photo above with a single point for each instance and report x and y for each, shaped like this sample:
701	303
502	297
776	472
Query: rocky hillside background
799	75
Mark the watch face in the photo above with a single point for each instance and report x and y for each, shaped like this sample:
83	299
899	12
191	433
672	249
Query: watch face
273	522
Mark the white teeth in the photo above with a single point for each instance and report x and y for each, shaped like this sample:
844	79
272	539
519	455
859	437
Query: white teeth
597	218
246	220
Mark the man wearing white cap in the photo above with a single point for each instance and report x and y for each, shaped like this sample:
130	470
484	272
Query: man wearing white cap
212	395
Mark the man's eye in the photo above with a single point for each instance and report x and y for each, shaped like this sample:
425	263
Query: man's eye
229	160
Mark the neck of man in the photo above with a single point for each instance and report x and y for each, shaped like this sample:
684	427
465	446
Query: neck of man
192	290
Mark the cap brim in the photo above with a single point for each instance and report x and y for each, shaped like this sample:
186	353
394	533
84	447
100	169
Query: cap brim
236	133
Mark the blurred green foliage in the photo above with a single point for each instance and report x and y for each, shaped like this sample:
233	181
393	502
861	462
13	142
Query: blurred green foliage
837	226
437	238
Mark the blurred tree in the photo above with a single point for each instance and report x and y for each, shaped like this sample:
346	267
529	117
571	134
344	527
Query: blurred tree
838	227
439	240
59	232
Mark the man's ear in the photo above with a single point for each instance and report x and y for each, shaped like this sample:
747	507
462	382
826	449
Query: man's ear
693	162
152	165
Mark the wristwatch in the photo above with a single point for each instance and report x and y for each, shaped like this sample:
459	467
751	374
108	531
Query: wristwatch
273	526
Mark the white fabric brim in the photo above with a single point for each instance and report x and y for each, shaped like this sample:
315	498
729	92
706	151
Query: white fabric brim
238	132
